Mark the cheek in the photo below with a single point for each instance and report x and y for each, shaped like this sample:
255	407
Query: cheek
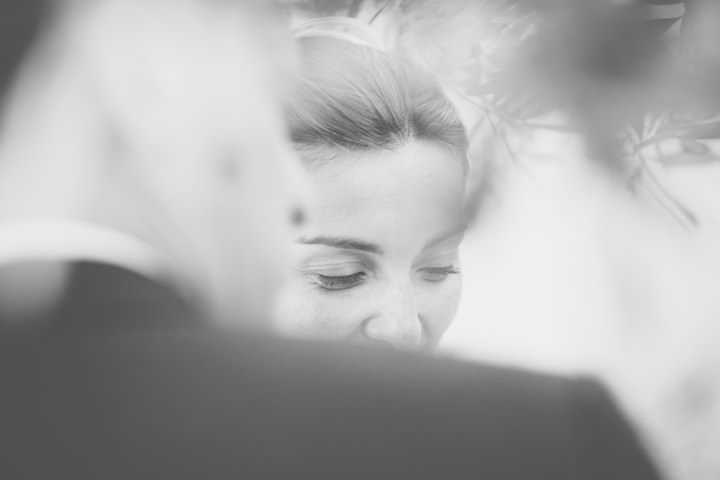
304	310
437	306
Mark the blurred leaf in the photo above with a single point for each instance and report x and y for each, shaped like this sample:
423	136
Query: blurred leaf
476	89
322	7
695	147
354	8
647	179
687	160
636	128
699	130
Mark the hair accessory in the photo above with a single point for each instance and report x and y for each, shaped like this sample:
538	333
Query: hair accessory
342	28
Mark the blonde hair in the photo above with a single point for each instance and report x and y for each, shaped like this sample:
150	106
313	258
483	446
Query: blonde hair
354	97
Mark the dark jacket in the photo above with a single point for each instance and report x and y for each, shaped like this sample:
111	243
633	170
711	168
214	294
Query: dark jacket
203	403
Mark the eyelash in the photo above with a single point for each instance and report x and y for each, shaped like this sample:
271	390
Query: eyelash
342	282
438	274
345	282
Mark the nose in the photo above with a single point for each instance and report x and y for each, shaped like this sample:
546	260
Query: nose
397	321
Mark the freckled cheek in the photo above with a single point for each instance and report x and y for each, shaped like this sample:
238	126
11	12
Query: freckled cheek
307	310
438	304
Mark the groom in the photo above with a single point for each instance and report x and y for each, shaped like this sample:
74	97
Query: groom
145	195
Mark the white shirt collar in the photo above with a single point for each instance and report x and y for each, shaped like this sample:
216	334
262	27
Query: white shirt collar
59	239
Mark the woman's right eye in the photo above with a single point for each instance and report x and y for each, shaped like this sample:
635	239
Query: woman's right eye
342	282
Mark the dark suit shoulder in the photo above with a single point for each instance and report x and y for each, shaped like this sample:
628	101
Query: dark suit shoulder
221	404
106	298
607	445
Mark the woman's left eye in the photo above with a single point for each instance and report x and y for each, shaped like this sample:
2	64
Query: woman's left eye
437	274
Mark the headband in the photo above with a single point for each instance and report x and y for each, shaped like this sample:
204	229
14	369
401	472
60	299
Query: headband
342	28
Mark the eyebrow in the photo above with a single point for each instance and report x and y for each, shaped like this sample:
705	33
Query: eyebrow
342	242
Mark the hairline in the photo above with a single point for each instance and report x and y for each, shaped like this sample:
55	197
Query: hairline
327	152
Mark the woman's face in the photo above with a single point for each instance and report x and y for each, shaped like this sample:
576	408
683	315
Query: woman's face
379	262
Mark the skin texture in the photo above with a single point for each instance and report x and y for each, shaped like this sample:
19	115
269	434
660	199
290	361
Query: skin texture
379	263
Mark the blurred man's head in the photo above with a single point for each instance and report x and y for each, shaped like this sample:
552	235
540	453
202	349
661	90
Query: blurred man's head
161	118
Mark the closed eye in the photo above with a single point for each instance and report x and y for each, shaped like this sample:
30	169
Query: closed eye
342	282
437	274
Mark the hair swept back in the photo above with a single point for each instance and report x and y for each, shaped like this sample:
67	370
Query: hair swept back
353	97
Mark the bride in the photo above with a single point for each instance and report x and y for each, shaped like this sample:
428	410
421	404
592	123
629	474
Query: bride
386	152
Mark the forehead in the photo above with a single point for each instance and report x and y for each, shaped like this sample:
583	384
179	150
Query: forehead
395	197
